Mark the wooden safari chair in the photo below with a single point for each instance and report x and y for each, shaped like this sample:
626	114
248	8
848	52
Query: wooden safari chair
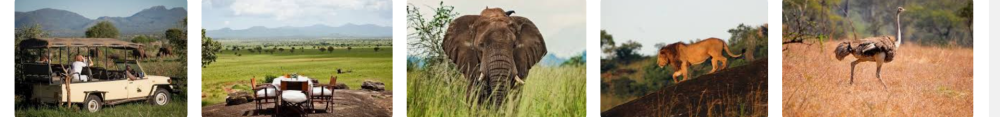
323	93
263	93
291	88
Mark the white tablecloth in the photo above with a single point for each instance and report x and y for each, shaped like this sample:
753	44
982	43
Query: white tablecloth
277	81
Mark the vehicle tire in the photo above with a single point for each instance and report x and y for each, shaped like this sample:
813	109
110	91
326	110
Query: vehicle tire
93	103
159	98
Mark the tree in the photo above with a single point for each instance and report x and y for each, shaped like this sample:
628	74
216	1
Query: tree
578	60
966	13
293	50
209	49
142	39
103	29
429	33
810	19
28	32
660	45
177	38
607	43
322	49
259	49
329	49
628	51
746	37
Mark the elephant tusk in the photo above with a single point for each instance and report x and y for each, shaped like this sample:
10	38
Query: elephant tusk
480	77
518	79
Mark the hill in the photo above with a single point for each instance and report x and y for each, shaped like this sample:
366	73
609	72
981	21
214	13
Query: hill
314	31
551	60
61	23
736	91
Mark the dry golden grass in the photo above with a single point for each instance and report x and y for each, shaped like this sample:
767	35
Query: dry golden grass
922	81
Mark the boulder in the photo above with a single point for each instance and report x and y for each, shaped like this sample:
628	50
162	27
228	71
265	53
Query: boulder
238	97
373	86
341	86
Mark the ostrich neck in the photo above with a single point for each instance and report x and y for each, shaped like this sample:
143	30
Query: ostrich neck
899	31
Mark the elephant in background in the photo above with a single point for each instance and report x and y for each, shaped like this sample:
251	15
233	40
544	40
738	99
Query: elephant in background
494	52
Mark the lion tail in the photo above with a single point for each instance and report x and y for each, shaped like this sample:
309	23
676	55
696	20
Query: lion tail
726	47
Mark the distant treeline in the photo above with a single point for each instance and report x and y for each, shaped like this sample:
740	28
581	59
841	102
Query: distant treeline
925	22
323	43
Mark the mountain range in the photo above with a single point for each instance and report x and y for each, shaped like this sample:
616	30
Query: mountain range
551	60
314	31
61	23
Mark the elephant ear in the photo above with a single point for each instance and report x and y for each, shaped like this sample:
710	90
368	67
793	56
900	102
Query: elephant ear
459	45
530	46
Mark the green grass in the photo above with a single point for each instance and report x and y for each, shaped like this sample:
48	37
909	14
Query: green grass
231	70
549	91
176	108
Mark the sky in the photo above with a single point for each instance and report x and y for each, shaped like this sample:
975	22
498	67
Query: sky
561	22
667	21
243	14
94	9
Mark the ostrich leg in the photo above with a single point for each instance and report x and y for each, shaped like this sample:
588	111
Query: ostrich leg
855	63
878	74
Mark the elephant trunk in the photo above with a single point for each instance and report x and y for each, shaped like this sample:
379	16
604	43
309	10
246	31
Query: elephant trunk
498	66
500	73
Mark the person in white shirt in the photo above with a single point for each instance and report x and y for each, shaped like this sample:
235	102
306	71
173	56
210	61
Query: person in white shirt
78	69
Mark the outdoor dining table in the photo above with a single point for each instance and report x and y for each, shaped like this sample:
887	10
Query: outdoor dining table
293	96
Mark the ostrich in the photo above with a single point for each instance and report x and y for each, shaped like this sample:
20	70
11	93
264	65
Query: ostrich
873	49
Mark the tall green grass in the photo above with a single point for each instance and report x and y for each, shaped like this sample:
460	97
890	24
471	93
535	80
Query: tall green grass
548	91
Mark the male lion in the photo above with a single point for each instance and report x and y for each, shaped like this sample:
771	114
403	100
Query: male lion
681	56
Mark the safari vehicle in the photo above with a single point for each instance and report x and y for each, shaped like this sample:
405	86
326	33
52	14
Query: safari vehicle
115	76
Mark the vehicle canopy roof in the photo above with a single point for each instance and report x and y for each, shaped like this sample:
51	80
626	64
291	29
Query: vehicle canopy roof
78	42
